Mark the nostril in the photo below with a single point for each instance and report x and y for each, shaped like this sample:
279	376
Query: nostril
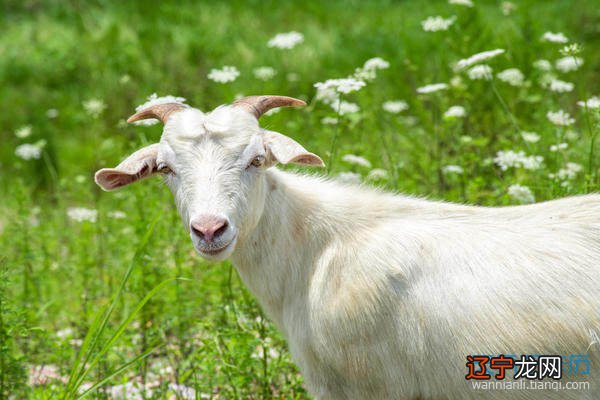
197	229
221	229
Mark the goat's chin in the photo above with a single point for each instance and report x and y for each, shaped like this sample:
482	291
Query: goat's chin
219	254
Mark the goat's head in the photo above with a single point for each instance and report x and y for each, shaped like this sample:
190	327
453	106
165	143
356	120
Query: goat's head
214	164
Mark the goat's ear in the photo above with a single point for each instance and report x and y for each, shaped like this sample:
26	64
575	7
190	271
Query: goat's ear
287	151
139	165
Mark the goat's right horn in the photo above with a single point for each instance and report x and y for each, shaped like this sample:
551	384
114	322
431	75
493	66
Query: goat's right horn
159	111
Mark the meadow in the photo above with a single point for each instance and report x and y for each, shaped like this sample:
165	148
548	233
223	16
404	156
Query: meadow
102	295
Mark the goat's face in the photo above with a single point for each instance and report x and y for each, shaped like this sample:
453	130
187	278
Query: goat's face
214	164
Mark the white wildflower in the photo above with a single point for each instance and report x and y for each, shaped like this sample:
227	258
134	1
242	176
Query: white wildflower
455	112
364	74
329	121
52	113
23	132
395	106
522	194
558	37
94	107
568	64
327	95
546	79
264	73
542	65
570	171
64	333
478	72
507	7
292	77
409	120
530	137
435	24
456	81
226	74
571	49
376	63
345	107
259	351
434	87
467	3
356	160
571	135
131	390
345	85
81	214
272	111
154	100
512	76
117	214
43	374
532	162
29	151
592	103
477	58
368	71
557	147
560	118
377	173
559	86
349	177
185	392
453	169
124	79
287	40
511	159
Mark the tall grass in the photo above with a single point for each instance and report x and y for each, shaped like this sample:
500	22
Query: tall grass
100	299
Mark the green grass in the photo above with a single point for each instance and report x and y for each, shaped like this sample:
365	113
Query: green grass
205	331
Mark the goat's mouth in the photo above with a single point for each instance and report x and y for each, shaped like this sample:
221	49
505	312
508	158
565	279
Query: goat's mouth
218	251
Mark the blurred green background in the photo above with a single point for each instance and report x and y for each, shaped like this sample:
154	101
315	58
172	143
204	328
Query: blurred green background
60	265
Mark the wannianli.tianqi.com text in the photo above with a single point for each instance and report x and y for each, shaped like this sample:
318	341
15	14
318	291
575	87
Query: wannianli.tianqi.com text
530	385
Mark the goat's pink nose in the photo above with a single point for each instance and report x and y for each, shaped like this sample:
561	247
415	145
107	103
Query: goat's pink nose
209	227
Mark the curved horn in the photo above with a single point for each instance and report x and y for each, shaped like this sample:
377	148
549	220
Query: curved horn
258	105
158	111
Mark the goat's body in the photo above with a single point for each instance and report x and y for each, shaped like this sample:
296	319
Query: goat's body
383	296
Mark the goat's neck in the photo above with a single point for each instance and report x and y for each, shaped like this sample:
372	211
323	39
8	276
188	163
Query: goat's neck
276	259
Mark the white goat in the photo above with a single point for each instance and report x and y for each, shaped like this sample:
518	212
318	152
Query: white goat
380	296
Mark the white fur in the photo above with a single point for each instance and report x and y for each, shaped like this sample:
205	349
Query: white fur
382	296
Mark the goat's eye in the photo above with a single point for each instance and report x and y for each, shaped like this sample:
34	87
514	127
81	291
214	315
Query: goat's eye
163	168
258	161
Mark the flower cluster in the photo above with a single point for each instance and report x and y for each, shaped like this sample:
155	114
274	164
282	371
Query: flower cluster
432	88
435	24
522	194
287	40
82	214
477	58
512	76
517	159
264	73
94	107
226	74
395	106
357	160
560	118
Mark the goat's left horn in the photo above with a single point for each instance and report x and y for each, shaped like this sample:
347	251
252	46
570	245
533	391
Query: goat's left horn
160	111
258	105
